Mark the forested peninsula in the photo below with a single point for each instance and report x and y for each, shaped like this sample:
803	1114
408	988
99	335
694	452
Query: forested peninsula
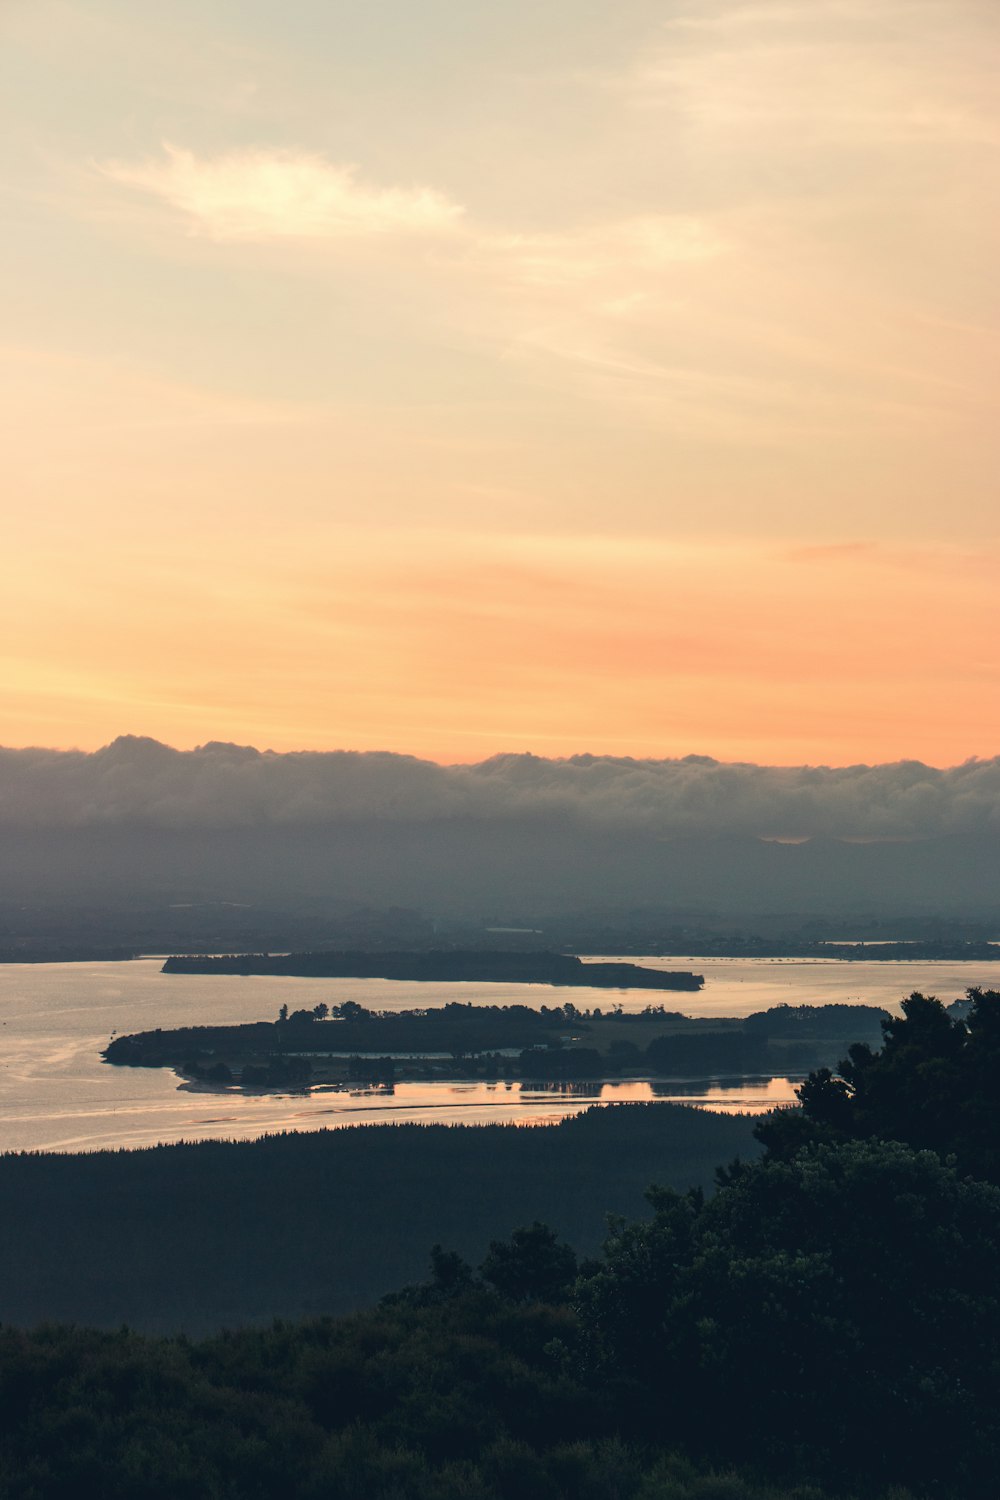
441	966
345	1043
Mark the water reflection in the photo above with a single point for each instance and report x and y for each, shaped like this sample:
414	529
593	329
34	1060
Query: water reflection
752	1096
482	1101
57	1095
562	1088
521	1101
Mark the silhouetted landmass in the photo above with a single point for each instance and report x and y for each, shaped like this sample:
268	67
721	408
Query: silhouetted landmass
448	966
509	1041
218	1233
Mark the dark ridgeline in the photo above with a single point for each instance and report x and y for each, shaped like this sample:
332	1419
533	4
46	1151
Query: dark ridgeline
442	966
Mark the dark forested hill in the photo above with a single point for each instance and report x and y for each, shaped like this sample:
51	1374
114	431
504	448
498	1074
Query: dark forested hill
195	1237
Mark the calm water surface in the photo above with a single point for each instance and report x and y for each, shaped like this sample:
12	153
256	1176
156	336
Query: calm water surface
57	1095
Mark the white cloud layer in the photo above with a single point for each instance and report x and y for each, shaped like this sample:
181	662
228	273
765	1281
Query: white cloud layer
141	783
267	194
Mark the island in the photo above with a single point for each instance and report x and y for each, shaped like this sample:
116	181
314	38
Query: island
349	1044
440	967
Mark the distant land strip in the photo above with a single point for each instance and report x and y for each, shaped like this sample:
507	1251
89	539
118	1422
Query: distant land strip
442	967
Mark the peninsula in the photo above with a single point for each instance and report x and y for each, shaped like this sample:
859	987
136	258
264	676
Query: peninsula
345	1044
442	966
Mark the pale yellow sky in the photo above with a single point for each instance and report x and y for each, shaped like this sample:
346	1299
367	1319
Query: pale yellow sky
603	379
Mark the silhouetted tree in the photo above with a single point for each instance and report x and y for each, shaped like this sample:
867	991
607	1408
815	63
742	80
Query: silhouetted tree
450	1274
531	1266
933	1083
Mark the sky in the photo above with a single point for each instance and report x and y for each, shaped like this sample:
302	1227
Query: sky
460	379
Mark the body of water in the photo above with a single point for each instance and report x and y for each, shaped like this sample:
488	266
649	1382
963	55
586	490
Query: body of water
57	1095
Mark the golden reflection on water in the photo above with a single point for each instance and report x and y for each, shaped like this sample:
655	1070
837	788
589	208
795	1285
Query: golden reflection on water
531	1103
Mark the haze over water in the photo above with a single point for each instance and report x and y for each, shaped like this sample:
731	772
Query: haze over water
56	1093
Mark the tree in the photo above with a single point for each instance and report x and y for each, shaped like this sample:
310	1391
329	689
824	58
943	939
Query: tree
450	1274
532	1266
933	1084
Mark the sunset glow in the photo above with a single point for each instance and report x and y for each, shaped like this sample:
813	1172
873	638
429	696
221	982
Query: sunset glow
613	379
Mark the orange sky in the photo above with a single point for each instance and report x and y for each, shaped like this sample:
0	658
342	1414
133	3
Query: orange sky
452	650
614	382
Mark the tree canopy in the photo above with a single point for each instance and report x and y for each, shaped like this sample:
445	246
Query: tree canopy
841	1307
934	1083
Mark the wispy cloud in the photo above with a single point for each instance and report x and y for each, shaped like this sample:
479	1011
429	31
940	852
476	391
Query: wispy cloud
268	194
646	243
835	72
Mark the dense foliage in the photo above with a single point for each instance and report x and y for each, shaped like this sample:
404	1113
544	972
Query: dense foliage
933	1083
840	1307
462	1396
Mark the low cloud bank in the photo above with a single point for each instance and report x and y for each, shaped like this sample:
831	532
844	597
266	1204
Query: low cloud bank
136	783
